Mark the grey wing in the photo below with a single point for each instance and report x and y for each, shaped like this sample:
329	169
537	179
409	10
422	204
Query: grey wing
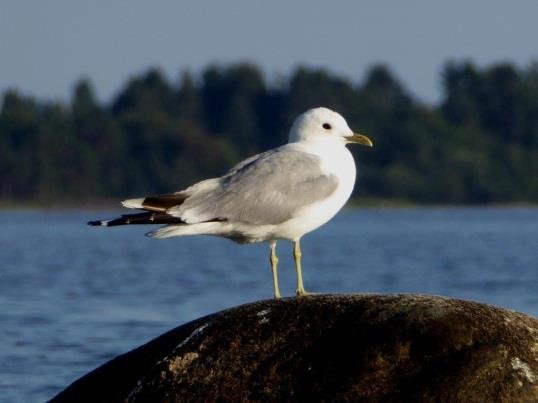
265	189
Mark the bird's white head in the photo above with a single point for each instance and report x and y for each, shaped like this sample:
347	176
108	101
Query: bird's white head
323	127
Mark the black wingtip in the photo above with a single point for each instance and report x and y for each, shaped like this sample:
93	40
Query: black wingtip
95	223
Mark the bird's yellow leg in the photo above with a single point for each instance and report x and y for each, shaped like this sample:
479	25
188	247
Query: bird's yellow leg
297	257
274	267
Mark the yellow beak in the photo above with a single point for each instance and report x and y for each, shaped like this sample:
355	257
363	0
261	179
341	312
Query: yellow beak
359	139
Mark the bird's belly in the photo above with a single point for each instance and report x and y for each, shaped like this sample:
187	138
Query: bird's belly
309	218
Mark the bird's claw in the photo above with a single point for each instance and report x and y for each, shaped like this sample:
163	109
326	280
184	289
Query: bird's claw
304	293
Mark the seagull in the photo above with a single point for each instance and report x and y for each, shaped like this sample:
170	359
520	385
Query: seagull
280	194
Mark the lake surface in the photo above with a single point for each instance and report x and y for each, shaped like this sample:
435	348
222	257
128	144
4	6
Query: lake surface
73	297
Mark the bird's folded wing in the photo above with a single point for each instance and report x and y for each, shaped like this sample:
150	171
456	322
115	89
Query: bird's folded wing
265	189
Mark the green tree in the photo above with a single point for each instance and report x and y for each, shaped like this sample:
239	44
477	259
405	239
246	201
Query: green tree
477	146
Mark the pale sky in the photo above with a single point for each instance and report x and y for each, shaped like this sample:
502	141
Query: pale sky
45	46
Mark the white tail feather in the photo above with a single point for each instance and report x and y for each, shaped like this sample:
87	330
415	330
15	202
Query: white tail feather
206	228
133	203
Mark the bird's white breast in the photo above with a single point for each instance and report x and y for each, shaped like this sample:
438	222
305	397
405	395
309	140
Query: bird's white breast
336	161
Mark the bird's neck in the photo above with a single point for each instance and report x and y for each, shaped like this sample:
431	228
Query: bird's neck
335	158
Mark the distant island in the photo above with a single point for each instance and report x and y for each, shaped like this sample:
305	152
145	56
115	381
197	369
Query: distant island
479	145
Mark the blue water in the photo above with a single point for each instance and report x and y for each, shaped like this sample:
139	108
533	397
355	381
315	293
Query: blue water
72	296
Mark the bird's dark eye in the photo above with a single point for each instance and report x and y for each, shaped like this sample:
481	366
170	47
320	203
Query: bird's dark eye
327	126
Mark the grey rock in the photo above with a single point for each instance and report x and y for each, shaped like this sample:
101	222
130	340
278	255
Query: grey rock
361	348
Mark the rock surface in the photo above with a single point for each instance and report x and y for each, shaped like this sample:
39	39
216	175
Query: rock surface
365	348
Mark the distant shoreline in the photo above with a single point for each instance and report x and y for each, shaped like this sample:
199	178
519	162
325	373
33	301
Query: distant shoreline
369	203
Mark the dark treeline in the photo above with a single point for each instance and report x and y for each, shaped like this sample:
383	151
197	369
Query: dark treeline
479	145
